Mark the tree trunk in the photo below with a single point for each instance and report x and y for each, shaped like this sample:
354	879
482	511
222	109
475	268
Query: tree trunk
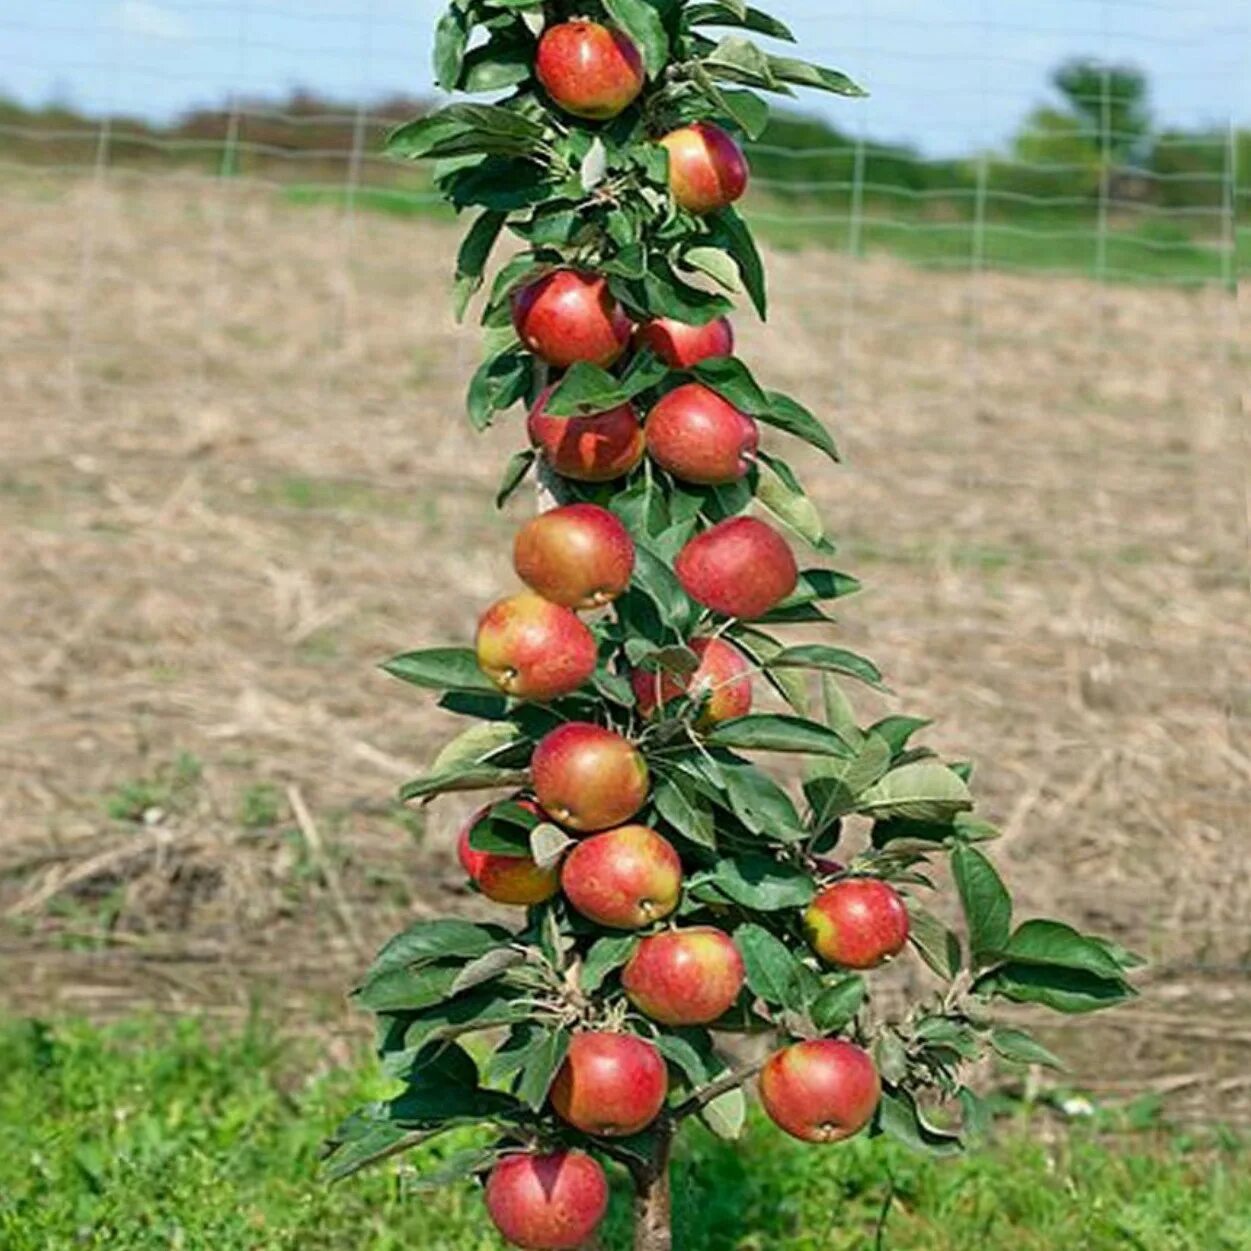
653	1227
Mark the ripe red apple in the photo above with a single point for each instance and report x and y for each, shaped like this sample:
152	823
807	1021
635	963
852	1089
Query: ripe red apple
624	878
568	316
723	672
596	448
550	1202
506	879
823	1090
580	555
707	169
587	777
740	567
589	70
857	922
684	977
700	437
681	345
534	649
610	1085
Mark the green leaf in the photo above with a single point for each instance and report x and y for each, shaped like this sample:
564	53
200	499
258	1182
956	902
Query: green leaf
487	967
719	13
840	716
733	381
366	1138
772	969
474	253
498	383
1022	1048
698	1064
984	898
503	62
747	109
715	264
1052	942
515	474
641	21
451	38
788	70
777	732
606	955
789	415
738	60
407	989
726	1114
681	806
483	1008
548	843
467	777
730	231
454	1168
659	583
830	660
836	1006
833	787
792	508
476	745
899	1117
585	389
760	803
427	941
938	946
923	791
440	669
898	730
542	1063
1063	990
467	129
759	882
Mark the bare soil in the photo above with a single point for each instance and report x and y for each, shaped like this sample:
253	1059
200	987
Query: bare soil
235	474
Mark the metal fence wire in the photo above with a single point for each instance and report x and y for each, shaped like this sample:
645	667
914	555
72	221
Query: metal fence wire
235	474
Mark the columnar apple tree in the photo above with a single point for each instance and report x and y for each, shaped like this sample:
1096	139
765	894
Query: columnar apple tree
671	894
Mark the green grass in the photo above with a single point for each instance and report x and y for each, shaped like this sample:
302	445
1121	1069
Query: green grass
148	1135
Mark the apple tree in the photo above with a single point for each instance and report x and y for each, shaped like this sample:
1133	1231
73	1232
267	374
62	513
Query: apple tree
669	892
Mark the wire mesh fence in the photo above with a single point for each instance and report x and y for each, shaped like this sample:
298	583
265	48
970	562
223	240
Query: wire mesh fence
236	473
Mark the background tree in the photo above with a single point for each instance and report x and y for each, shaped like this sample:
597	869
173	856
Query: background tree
675	892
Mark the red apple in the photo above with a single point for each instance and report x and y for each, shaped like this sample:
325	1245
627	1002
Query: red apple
741	568
534	649
857	922
823	1090
580	555
684	977
589	70
587	777
550	1202
568	316
595	448
681	345
610	1085
506	879
724	674
707	169
700	437
624	878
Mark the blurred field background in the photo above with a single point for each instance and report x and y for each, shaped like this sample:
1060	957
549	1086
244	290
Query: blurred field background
235	474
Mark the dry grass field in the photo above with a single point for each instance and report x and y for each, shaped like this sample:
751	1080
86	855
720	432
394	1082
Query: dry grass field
235	474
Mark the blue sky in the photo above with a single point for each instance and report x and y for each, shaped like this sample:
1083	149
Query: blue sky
947	74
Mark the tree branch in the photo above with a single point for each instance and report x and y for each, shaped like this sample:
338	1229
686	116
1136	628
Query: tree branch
701	1098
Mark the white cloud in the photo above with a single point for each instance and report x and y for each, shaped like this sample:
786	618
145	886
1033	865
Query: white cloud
149	21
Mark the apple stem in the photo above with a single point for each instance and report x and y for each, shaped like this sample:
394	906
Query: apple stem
653	1211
